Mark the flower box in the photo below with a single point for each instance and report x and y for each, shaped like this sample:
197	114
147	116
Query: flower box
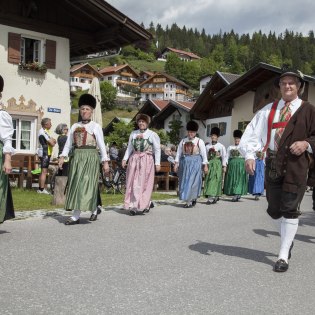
34	66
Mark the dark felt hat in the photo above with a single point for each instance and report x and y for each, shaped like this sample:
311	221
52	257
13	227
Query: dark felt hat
290	72
215	131
192	126
1	84
237	133
144	117
87	99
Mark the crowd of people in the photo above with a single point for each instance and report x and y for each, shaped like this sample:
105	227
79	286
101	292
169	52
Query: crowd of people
273	153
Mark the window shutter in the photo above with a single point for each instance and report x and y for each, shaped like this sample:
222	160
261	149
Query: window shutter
14	48
50	54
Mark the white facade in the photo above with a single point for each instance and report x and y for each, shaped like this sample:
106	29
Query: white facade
33	95
77	84
203	83
163	91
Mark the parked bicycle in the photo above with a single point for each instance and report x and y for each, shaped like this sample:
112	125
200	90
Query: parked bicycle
116	181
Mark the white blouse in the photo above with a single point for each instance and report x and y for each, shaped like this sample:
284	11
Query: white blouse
92	128
152	137
6	132
197	142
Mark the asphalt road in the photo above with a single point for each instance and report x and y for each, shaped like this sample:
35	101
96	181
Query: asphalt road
215	259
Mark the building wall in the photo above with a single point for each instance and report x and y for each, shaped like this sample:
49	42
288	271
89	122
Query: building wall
49	90
178	115
203	83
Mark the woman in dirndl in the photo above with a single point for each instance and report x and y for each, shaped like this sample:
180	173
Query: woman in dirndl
143	154
217	164
236	179
86	138
6	150
191	156
256	182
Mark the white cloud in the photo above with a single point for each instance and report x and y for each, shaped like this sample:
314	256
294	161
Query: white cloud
243	16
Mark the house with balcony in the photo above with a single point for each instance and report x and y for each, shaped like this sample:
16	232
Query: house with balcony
162	86
81	76
38	40
182	55
123	77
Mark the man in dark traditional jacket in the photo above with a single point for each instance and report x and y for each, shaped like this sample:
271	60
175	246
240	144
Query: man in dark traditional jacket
284	129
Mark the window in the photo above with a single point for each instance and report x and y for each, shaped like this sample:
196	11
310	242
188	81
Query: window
220	125
31	50
153	95
24	134
242	125
109	78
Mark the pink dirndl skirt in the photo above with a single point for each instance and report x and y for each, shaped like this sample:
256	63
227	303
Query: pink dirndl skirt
140	181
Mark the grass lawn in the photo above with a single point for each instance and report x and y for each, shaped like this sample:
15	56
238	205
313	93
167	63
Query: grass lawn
25	200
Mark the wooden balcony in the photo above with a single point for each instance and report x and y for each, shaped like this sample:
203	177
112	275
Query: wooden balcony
152	90
181	92
126	74
125	82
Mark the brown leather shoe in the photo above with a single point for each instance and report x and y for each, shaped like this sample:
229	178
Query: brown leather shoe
93	217
70	221
281	266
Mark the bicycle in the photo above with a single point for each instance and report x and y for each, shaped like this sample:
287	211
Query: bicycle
115	181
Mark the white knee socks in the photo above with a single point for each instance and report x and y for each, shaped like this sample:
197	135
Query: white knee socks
76	215
288	230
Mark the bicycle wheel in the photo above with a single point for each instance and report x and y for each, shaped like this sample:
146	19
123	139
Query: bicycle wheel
121	183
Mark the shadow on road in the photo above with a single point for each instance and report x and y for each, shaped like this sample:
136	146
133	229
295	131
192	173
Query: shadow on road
3	232
242	252
62	219
298	237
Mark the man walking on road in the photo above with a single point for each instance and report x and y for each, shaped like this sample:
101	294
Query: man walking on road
284	129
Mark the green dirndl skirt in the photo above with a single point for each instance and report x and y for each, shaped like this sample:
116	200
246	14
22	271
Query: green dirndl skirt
6	202
82	186
213	181
236	179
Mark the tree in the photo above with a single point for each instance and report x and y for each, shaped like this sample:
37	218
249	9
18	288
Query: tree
174	133
164	139
108	94
121	133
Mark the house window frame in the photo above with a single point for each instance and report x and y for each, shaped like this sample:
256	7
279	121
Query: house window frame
40	58
18	132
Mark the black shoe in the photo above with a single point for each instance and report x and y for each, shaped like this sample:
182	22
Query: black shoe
281	266
187	205
209	202
193	202
132	212
256	198
151	205
93	217
70	221
234	199
289	256
146	210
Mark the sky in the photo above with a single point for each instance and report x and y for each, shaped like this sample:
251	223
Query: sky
243	16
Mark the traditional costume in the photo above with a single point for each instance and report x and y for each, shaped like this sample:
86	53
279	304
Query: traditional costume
143	152
6	133
256	182
285	129
236	180
191	155
216	153
87	140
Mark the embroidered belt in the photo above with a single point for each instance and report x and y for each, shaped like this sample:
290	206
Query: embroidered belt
86	147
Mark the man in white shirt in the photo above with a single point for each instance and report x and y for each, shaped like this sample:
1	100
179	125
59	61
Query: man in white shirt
284	129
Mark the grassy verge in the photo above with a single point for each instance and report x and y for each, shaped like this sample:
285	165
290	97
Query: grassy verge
25	200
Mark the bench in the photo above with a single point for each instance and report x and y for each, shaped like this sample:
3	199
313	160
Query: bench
22	166
164	177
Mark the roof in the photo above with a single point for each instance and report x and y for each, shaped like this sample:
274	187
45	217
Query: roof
82	65
167	76
90	25
182	52
109	128
114	69
169	109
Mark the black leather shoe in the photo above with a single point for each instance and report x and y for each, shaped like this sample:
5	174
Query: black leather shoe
151	205
99	209
187	205
193	202
132	212
147	210
93	217
289	256
70	221
281	266
209	202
